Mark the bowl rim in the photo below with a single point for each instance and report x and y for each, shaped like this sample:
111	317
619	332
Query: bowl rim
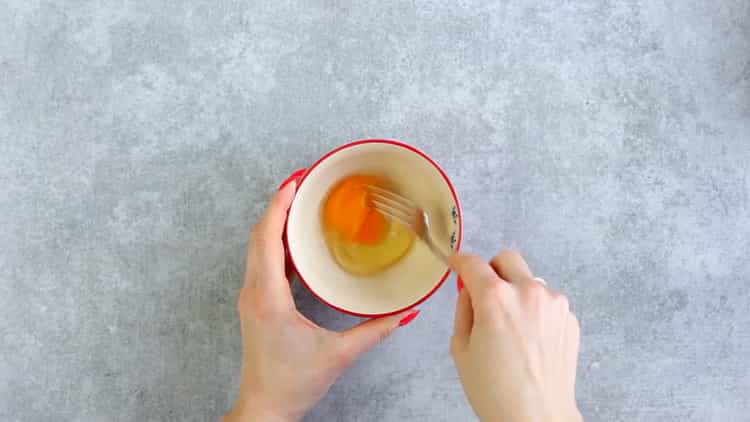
455	200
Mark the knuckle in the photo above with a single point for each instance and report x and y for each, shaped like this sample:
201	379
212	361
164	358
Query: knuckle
494	290
536	296
535	290
472	261
469	257
260	233
489	307
343	355
339	352
261	310
506	254
275	201
562	300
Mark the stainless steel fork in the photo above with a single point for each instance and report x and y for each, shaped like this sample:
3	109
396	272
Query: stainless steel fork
405	212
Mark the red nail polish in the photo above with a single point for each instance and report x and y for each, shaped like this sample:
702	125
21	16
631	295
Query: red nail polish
407	319
459	284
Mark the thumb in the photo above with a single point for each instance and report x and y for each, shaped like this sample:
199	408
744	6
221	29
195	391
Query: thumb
365	335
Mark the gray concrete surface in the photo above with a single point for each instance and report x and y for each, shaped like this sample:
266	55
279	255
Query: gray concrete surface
607	140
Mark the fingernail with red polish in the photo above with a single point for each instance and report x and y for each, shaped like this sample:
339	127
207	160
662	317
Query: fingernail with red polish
459	284
407	319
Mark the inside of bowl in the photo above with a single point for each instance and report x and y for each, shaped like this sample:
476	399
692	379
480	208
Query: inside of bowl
412	277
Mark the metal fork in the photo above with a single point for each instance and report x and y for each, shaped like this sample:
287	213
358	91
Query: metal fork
407	213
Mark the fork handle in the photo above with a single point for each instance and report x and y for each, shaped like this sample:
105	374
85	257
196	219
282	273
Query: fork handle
435	249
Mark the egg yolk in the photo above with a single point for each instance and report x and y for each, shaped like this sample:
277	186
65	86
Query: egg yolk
360	239
349	212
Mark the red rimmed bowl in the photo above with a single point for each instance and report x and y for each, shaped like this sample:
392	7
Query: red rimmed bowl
413	278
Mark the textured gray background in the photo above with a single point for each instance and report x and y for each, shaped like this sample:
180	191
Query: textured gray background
608	140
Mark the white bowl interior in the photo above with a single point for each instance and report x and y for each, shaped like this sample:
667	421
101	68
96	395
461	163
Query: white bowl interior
412	277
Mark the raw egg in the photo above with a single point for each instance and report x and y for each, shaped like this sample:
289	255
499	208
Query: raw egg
359	237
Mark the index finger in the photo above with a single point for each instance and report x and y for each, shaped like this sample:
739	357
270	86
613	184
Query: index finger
476	273
511	266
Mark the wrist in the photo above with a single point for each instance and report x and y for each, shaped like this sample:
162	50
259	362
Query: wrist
558	414
253	411
254	415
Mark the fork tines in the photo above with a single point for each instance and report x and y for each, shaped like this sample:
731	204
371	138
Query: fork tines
393	206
